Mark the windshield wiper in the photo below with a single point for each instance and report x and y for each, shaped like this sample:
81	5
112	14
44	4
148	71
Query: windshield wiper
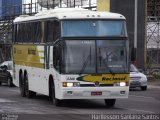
86	62
106	65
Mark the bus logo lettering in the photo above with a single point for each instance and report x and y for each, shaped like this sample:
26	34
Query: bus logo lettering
119	78
105	78
70	78
114	78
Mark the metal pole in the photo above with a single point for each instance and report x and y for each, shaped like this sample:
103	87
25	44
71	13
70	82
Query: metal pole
31	7
135	24
134	53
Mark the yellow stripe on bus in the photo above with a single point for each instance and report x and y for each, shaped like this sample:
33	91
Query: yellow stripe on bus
105	78
27	55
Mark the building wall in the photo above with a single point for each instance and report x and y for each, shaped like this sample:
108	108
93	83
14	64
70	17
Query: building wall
10	8
126	7
153	7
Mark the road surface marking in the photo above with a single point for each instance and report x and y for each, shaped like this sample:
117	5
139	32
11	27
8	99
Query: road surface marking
5	100
17	91
153	86
150	112
142	97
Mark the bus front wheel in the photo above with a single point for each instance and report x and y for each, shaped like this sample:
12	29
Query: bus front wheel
110	102
56	101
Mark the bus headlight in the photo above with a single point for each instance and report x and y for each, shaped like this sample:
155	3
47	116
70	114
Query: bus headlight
122	84
71	84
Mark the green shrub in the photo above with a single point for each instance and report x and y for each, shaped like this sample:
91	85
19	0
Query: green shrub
157	76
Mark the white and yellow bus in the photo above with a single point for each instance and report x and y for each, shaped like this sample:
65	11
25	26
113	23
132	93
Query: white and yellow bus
72	53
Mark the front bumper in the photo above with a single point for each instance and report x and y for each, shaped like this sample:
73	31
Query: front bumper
85	92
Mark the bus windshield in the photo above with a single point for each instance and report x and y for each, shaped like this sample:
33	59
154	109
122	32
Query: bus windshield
93	28
94	56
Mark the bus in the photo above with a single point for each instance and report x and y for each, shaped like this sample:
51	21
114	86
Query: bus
71	53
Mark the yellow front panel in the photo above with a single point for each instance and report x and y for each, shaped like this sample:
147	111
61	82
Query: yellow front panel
105	78
28	55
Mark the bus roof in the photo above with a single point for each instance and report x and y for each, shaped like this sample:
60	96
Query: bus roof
69	13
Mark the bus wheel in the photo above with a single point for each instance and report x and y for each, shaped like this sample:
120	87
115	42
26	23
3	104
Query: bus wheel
21	85
0	83
10	82
28	93
56	101
110	102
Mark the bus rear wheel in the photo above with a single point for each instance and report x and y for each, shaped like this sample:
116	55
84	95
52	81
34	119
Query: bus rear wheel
28	93
21	85
110	102
56	101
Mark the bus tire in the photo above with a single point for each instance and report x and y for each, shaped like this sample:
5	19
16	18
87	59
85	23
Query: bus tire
0	83
56	101
28	93
110	102
21	85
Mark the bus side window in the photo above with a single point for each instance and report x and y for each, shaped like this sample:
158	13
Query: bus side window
20	32
57	57
53	30
49	31
33	34
56	29
15	33
27	32
38	32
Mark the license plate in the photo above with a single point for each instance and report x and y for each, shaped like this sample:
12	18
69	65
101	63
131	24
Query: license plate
95	93
135	83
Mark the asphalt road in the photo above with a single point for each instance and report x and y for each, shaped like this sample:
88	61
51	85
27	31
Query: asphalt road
139	105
